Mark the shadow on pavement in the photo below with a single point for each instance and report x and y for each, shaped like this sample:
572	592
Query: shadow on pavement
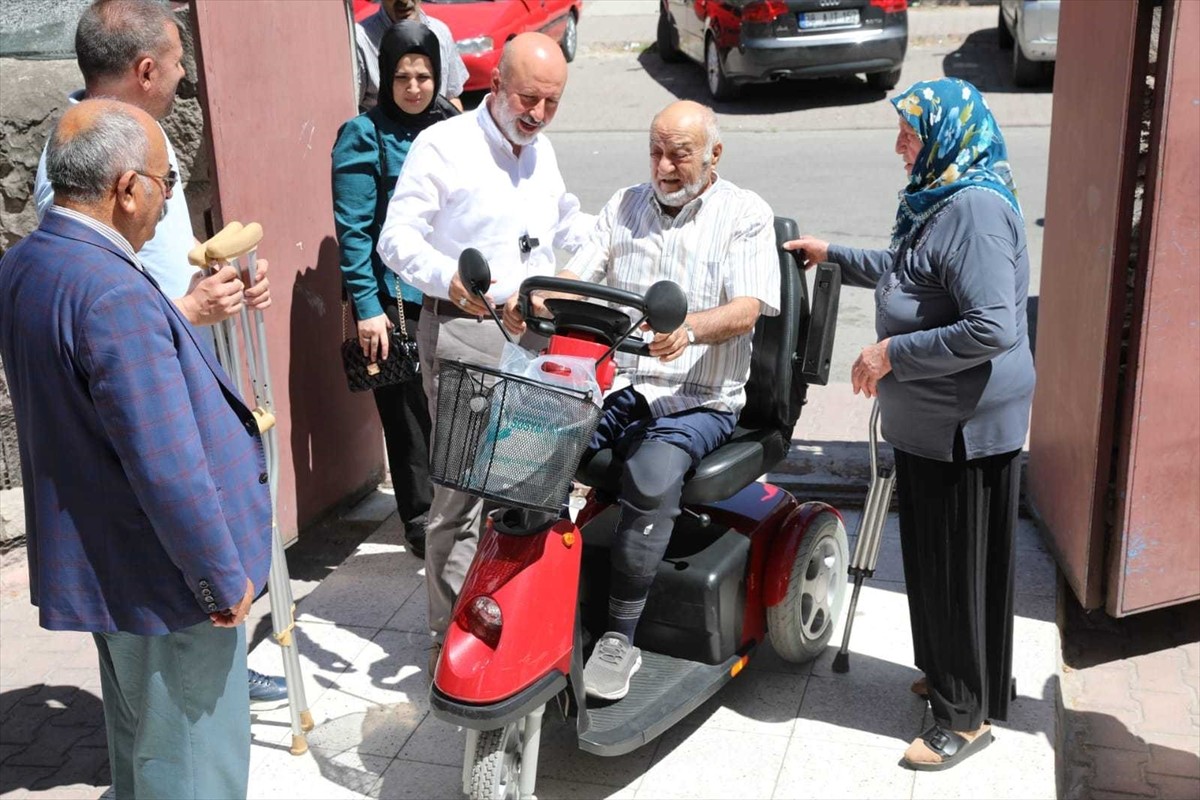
980	60
1092	637
686	81
51	736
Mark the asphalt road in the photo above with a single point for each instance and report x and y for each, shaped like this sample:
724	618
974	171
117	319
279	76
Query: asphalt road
820	152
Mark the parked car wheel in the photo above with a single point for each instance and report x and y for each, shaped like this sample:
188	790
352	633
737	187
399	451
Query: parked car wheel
1002	31
668	49
570	38
719	86
1024	71
884	80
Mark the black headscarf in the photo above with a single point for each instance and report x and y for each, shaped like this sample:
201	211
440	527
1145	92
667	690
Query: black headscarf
404	38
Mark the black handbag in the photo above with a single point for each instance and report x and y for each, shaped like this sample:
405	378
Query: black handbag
402	364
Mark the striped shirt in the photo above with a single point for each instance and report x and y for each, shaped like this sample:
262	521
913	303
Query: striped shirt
719	246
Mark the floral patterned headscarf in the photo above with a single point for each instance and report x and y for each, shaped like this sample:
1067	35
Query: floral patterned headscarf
962	148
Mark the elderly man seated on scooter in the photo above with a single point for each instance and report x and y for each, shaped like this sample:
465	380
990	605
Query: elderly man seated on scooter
667	412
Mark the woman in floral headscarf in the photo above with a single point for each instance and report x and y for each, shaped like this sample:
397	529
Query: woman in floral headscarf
953	374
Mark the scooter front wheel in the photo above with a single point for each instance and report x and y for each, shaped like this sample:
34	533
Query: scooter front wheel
504	764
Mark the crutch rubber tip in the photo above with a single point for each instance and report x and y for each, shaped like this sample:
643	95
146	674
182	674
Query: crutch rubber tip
299	745
306	721
841	663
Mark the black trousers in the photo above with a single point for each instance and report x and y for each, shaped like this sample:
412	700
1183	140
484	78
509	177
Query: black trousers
404	413
957	535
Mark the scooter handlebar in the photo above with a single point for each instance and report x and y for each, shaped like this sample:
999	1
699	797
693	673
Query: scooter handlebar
664	305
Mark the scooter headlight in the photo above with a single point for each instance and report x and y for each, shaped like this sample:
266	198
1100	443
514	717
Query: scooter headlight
482	619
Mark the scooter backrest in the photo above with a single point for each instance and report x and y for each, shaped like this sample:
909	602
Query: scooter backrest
778	385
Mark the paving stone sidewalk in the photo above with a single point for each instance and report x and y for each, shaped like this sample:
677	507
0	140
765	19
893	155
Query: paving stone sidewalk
778	731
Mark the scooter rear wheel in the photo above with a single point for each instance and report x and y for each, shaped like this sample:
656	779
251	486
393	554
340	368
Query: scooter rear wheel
802	624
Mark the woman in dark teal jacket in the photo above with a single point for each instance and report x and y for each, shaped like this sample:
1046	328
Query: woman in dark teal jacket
367	157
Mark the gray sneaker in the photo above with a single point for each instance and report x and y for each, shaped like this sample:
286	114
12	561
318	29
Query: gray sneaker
607	673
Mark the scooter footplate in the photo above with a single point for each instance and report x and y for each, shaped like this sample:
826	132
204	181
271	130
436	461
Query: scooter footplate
662	692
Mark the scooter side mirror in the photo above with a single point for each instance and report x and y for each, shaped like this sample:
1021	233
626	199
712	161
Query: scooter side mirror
474	272
666	306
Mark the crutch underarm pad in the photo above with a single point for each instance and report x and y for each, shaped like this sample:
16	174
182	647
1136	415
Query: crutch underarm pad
197	257
222	247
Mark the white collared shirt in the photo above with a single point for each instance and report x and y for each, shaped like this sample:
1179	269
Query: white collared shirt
461	186
718	247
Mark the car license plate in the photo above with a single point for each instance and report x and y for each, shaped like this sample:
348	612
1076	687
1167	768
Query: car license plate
809	20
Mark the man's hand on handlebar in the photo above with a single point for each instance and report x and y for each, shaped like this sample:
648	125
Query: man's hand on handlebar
668	346
513	319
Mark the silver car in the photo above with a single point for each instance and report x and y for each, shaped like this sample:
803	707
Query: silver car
1030	28
756	41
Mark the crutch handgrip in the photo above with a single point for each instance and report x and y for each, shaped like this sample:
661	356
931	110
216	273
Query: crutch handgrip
221	248
197	255
264	418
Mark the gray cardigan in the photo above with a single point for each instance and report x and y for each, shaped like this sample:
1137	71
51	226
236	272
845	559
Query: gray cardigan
954	306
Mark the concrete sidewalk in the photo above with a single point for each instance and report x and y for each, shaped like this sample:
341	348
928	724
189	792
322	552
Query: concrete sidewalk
1121	722
779	730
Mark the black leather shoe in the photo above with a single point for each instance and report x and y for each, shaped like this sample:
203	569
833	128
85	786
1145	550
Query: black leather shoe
415	536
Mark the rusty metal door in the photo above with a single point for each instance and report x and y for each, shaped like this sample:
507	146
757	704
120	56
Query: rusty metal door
277	82
1089	196
1155	550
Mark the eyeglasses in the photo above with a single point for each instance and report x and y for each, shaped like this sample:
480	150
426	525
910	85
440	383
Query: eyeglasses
168	181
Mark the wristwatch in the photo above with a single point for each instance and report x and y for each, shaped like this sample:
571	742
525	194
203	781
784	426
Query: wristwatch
691	334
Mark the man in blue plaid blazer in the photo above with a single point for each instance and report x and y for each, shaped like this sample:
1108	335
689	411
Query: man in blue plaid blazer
147	504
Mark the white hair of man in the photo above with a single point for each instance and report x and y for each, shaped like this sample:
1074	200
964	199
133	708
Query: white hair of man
84	165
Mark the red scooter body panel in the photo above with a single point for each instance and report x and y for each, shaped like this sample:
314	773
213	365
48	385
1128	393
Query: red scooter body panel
538	587
763	513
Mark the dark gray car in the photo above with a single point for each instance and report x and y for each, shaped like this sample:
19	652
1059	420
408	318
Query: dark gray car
756	41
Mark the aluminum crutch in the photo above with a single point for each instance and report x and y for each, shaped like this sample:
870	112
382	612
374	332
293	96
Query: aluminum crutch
869	536
233	246
224	336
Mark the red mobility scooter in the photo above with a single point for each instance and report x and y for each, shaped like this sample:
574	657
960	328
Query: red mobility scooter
746	559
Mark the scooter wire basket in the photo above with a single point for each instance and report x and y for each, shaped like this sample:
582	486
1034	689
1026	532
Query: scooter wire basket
507	438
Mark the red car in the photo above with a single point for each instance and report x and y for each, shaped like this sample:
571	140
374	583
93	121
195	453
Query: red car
481	27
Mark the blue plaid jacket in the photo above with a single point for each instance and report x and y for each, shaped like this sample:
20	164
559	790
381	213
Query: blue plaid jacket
146	494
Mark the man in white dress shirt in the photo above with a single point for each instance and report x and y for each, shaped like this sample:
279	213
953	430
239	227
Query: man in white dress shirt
487	179
717	242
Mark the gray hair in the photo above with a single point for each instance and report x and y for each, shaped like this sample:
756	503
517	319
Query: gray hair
113	34
84	165
712	134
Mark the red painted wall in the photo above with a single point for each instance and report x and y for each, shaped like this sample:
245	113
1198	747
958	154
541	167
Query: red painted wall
277	82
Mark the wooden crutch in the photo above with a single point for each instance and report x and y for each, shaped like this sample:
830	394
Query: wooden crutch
233	243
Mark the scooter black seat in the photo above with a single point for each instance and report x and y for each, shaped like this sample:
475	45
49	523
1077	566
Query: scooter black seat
720	475
775	393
